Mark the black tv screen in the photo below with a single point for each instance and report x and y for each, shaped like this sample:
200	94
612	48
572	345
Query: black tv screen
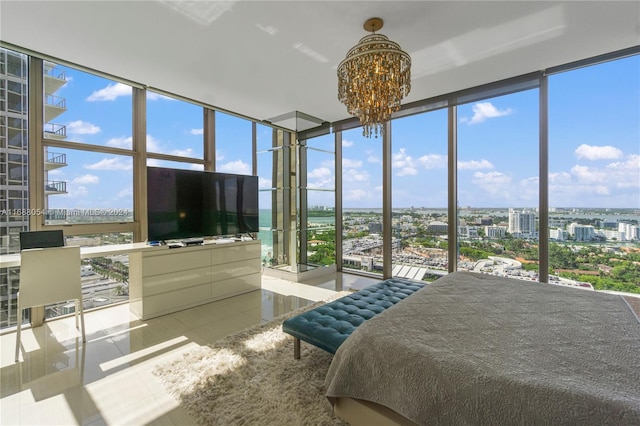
193	204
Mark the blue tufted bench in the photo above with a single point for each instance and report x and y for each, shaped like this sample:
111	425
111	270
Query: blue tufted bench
329	325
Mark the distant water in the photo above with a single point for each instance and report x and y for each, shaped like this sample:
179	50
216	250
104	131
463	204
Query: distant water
265	235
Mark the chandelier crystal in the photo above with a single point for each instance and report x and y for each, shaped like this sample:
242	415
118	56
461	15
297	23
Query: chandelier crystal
373	79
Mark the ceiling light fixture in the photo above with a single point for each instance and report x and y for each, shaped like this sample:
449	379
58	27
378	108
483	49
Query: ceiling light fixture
373	79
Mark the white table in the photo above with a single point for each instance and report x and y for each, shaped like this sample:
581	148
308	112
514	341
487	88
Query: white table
9	260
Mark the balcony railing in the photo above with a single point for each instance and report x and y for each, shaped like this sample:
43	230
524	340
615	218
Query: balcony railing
56	101
56	158
55	72
58	130
55	214
55	186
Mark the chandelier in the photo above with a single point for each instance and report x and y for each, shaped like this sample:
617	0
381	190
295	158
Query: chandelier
373	79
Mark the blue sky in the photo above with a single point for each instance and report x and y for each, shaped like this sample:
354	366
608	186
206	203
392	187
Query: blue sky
594	147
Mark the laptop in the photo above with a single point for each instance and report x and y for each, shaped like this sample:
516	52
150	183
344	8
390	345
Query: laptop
41	239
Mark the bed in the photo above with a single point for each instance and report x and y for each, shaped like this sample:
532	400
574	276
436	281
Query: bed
479	349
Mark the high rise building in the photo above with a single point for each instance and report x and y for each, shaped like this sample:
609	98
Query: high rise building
631	231
14	162
14	144
522	223
581	232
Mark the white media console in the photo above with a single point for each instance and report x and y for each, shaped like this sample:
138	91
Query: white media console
163	280
166	281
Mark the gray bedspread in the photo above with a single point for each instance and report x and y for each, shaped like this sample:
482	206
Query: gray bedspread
478	349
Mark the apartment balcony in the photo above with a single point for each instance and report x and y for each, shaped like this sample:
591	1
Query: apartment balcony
55	187
53	107
54	78
55	131
55	215
55	160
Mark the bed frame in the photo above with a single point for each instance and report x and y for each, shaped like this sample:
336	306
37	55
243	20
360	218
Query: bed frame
357	412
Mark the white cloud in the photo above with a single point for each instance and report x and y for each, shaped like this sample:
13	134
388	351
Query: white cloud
321	172
351	164
110	93
112	164
356	195
77	191
321	178
84	179
630	169
121	142
587	175
495	184
82	128
152	96
559	178
528	190
346	143
591	152
153	145
484	110
326	183
404	164
330	164
433	161
196	131
617	182
237	166
352	175
264	183
474	165
491	178
197	167
183	152
373	159
125	192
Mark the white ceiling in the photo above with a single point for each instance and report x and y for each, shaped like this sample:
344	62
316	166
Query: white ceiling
267	58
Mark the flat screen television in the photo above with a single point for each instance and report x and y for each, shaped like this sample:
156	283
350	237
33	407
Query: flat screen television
184	204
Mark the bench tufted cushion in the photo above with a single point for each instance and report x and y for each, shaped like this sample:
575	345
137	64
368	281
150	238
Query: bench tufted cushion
329	325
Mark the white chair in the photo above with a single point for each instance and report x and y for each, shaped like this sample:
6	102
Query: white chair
49	275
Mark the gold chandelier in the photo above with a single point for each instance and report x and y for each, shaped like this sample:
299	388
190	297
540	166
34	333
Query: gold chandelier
373	79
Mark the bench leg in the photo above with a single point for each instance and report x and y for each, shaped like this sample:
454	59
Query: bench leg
296	348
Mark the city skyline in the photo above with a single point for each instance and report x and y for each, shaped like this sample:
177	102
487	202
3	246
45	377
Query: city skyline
594	154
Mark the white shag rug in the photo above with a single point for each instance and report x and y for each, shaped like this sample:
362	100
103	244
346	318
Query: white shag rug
251	378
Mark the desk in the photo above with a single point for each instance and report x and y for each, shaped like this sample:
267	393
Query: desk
164	280
9	260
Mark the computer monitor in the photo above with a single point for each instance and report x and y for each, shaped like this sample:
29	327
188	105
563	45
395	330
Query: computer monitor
41	239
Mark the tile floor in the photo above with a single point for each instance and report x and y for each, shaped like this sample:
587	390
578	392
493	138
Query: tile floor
109	382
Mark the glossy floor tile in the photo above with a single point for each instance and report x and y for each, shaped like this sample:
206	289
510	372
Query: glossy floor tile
109	380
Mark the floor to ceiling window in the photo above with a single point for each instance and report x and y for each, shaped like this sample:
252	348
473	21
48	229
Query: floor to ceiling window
320	199
362	202
498	185
419	195
594	176
88	174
